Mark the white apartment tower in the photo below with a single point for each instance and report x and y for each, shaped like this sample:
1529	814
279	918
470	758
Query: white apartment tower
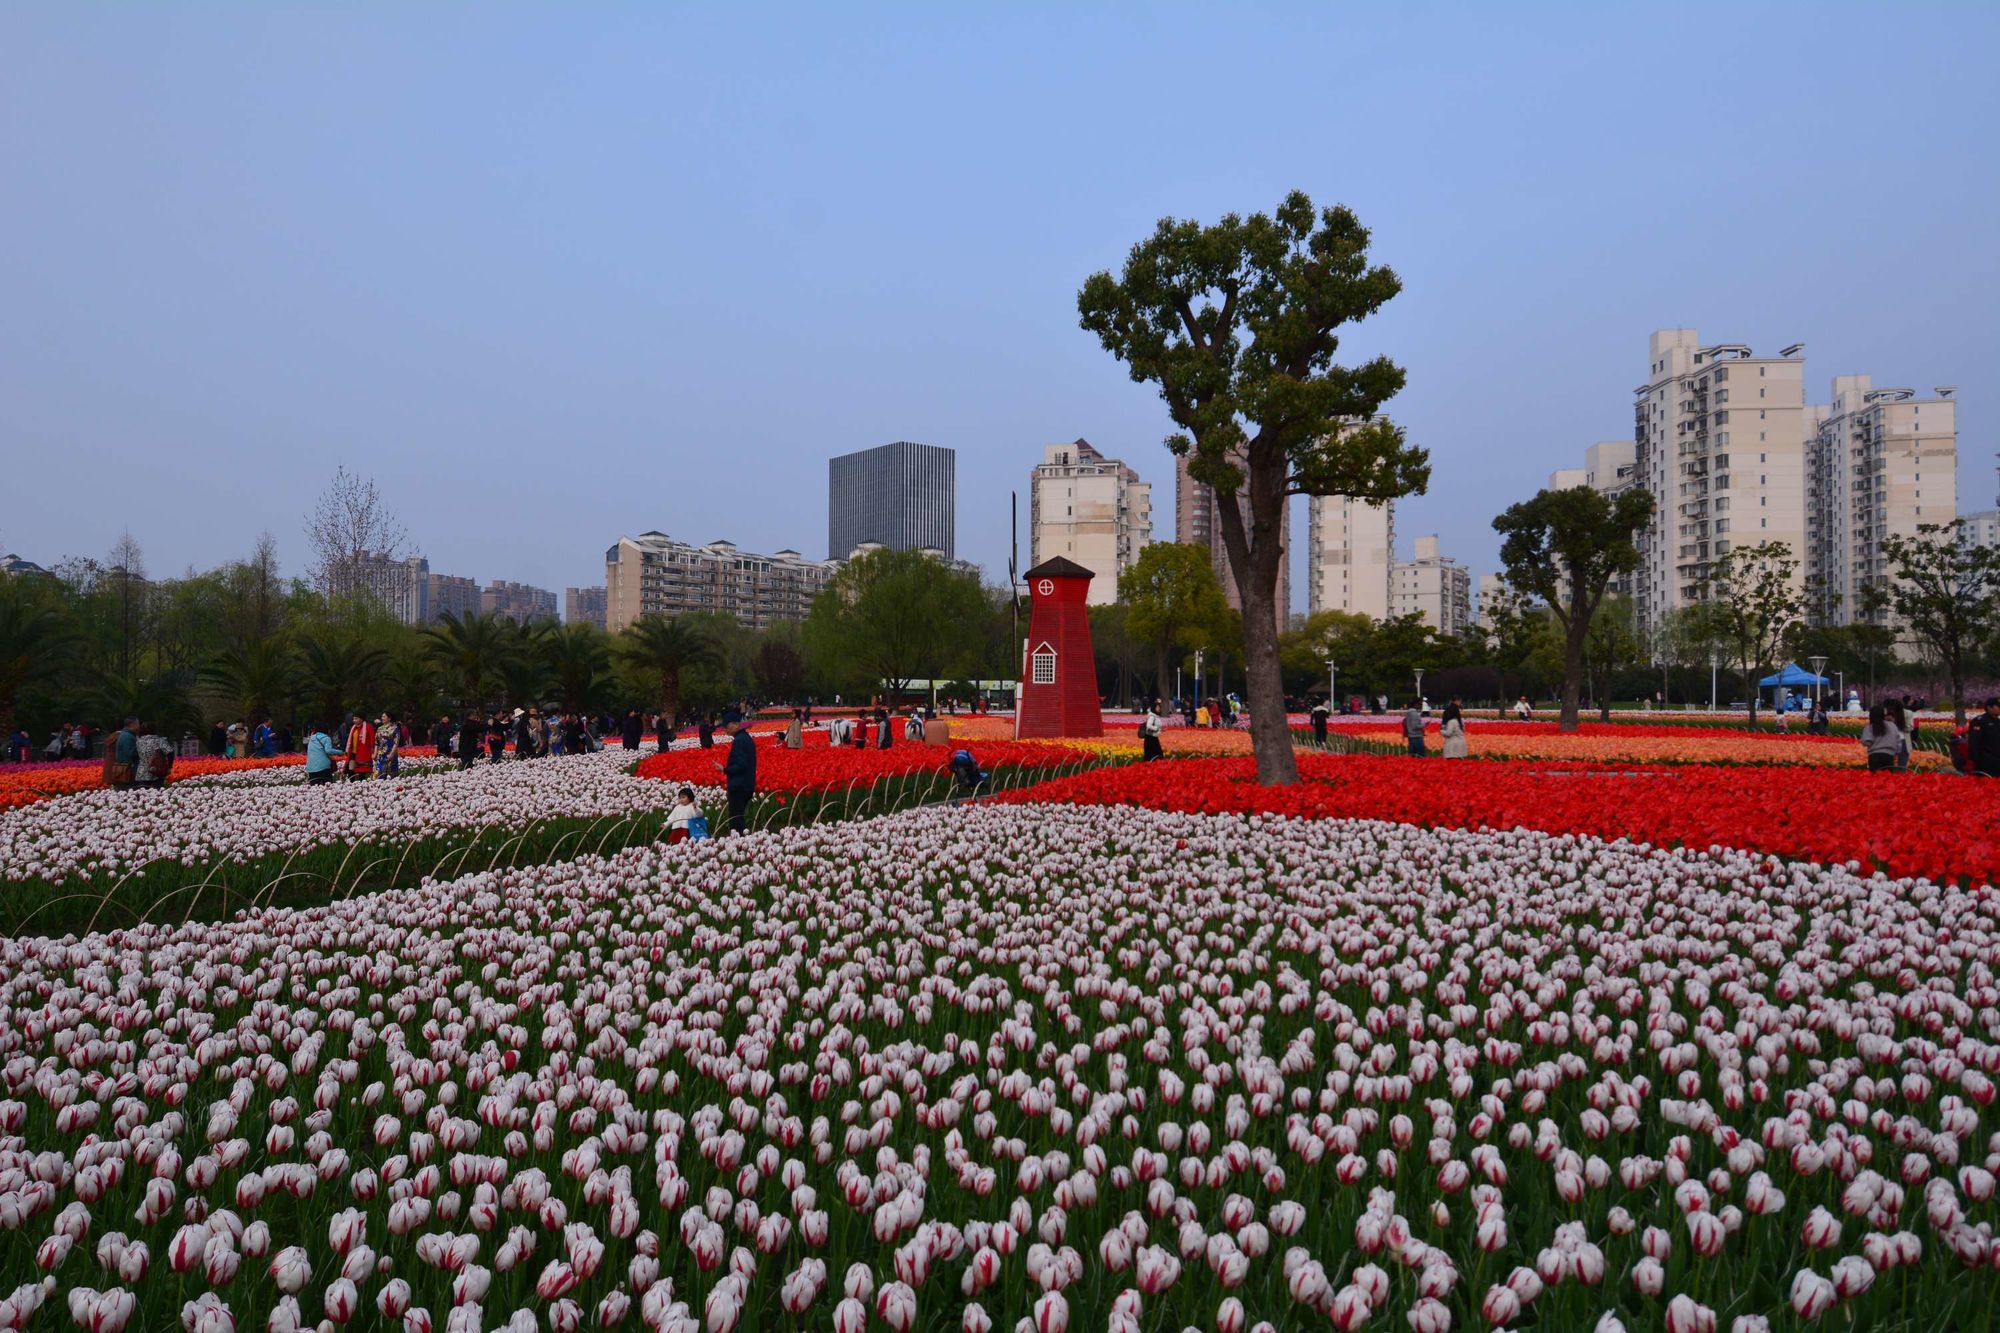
1090	509
1352	546
1720	441
1433	586
1884	461
1197	522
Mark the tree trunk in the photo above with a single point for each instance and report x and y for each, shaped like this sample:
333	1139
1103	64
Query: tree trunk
670	694
1752	673
1573	637
1160	678
1253	561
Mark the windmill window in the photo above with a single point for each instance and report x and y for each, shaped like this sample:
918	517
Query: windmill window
1045	665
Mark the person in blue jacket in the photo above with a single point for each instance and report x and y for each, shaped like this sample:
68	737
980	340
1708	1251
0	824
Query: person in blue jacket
739	774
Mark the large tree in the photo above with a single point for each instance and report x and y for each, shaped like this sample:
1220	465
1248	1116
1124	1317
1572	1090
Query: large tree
1236	323
473	651
1564	547
1759	605
662	647
253	678
1172	600
890	617
1945	594
349	524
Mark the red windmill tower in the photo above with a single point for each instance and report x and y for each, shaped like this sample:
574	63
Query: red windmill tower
1058	673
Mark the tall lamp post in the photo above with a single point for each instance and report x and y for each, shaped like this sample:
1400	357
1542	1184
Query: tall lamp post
1420	687
1818	661
1332	686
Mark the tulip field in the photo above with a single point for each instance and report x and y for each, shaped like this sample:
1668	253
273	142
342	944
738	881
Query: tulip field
1562	1043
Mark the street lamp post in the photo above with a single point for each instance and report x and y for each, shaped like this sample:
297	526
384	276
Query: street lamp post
1818	661
1197	677
1420	687
1332	685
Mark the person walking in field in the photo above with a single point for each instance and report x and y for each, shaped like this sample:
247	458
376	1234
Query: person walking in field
1149	731
1452	731
1413	731
739	773
1883	740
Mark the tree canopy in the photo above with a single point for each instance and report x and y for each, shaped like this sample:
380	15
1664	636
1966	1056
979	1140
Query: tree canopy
1945	593
891	617
1172	600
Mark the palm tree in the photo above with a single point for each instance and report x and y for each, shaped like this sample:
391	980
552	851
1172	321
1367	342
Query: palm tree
253	677
472	650
577	659
410	684
339	672
662	645
34	636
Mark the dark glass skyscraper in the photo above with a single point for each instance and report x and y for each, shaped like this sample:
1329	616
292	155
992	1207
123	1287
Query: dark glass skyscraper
900	495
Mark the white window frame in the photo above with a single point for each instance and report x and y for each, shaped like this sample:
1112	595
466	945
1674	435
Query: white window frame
1042	666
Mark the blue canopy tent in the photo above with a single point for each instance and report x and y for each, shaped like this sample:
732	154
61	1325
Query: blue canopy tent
1792	677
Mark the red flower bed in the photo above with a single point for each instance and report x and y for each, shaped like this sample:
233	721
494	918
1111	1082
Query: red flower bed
820	767
1942	826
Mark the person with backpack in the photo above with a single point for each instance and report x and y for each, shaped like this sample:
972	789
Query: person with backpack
967	777
1149	731
685	820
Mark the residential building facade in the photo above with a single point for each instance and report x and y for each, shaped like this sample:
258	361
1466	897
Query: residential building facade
1434	586
1351	550
1719	438
452	595
1197	522
901	495
518	602
400	585
652	574
583	606
1091	510
1884	462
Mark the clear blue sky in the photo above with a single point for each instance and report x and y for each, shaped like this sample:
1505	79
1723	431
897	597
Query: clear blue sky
553	274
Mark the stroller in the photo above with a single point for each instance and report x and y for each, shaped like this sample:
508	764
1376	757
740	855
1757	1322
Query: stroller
967	778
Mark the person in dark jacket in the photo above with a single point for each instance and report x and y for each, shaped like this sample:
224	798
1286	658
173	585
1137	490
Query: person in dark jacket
631	730
882	728
739	774
1982	741
471	731
218	739
706	730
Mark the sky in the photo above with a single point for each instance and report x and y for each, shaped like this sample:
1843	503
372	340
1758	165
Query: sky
551	274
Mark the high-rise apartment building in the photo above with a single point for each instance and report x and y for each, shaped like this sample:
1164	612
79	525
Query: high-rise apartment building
1089	509
1351	547
1884	462
901	495
400	585
452	595
518	602
1433	586
1568	478
583	606
654	575
1197	522
1720	441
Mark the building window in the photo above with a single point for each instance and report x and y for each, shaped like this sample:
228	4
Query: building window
1044	665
